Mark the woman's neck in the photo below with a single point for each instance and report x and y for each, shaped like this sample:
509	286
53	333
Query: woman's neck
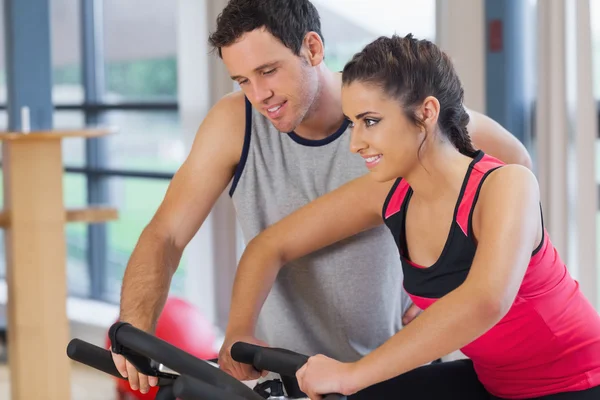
439	174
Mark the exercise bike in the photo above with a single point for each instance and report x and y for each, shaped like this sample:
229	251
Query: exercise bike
183	376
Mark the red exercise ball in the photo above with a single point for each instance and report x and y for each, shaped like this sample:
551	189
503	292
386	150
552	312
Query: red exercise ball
183	326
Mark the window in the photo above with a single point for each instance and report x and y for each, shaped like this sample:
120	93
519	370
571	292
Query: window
133	88
137	200
66	51
73	148
75	196
139	94
128	50
349	25
78	274
147	140
3	118
140	50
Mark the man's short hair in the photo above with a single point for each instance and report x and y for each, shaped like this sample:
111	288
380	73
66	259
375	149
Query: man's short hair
288	20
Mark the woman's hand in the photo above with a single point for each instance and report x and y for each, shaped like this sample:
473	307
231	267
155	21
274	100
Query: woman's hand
322	375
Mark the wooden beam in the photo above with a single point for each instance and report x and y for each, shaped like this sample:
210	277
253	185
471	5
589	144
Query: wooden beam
36	258
50	135
34	220
92	215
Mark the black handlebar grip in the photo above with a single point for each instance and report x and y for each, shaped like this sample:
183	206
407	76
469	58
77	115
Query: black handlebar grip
281	361
92	355
187	388
334	397
101	359
244	352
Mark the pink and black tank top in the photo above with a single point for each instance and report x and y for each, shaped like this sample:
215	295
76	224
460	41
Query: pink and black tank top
549	341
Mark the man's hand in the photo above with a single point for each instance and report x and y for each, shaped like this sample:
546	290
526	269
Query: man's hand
243	372
410	314
136	380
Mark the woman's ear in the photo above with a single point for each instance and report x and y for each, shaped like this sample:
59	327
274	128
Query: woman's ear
430	111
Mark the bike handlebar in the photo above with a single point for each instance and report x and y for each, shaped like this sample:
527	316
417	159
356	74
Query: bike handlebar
92	355
150	346
187	388
280	361
197	379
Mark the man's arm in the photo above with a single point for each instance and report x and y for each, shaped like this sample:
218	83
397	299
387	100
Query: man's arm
489	136
190	196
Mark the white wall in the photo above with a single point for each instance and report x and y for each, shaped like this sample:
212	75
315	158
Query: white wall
460	32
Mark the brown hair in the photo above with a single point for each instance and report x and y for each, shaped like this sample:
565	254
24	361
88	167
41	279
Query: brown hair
410	70
287	20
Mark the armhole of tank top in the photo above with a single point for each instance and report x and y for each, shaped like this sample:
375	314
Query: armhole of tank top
245	149
389	197
541	244
470	229
471	235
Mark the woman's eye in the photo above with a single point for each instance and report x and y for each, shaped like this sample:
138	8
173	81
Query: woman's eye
370	122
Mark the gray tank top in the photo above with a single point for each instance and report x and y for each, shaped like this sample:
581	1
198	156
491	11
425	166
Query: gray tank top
342	301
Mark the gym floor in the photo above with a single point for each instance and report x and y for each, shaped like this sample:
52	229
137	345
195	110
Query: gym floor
86	384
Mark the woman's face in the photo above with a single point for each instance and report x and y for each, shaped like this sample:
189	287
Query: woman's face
381	133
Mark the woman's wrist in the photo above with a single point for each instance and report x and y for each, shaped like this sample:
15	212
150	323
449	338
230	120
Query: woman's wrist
355	379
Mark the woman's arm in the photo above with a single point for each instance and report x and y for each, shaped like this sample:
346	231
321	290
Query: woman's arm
352	208
508	228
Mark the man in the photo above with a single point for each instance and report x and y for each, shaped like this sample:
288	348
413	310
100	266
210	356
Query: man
281	142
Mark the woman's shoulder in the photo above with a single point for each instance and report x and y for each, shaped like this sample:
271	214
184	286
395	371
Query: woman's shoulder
509	185
512	175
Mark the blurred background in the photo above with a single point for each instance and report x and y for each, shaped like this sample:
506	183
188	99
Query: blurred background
144	67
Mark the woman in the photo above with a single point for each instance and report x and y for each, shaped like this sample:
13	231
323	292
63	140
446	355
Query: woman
470	233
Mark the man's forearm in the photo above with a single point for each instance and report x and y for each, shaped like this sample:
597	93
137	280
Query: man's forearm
491	137
147	280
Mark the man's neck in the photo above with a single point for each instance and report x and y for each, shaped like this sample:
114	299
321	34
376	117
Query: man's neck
325	116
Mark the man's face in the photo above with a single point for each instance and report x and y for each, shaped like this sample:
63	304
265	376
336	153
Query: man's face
281	85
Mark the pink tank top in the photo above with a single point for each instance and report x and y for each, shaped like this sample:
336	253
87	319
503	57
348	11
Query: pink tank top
549	342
